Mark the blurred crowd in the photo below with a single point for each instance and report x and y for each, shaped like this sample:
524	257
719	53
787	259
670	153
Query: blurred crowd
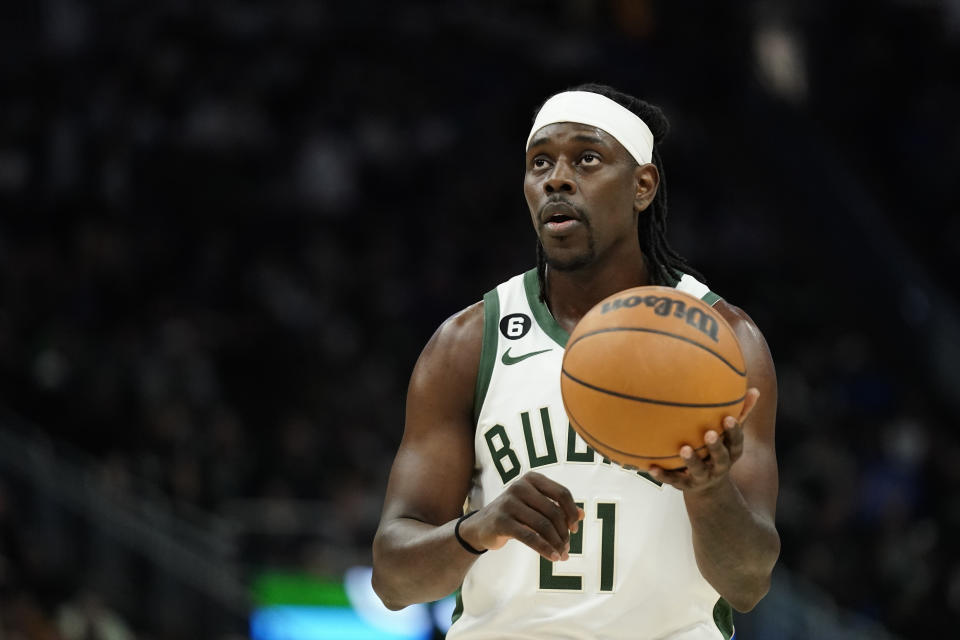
229	228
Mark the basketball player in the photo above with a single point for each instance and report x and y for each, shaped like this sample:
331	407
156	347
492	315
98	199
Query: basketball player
493	493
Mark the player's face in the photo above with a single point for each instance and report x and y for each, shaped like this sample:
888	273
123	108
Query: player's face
581	187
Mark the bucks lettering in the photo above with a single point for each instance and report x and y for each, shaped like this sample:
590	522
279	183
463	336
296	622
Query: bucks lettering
665	306
539	447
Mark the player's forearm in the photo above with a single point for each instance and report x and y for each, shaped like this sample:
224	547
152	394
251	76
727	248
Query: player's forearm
735	548
417	562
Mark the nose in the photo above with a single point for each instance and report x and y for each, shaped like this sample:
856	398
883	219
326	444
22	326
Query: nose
560	180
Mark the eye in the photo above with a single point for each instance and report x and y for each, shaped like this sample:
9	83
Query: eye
589	158
539	163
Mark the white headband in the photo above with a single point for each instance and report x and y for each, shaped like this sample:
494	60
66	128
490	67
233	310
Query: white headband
595	110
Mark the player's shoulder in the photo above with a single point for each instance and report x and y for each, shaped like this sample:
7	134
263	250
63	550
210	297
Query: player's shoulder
448	365
465	326
754	345
732	313
741	322
738	319
455	346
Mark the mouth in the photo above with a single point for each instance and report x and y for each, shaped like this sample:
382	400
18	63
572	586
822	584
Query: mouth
559	217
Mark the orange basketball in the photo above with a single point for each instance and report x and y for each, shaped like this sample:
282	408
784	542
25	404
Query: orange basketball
649	370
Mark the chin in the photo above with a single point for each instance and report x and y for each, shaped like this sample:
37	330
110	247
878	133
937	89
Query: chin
567	254
569	262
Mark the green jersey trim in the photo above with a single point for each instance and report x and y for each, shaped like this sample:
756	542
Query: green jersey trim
710	298
723	616
458	608
488	352
531	284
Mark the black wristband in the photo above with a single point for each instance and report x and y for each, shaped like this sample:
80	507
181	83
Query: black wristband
464	543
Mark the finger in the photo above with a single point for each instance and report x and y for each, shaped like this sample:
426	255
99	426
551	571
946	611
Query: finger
696	468
657	473
533	540
733	438
532	496
536	531
559	494
717	447
749	402
677	478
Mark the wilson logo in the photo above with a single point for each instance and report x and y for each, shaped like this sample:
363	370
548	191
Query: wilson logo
665	306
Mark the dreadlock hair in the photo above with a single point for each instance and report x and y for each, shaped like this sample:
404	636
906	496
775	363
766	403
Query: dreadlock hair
664	265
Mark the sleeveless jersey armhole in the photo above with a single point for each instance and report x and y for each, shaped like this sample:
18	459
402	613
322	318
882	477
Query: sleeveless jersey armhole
488	352
711	298
691	285
723	618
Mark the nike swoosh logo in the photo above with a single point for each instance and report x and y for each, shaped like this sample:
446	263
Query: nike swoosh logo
507	359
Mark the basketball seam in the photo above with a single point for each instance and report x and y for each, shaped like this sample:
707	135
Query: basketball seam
742	374
581	430
668	403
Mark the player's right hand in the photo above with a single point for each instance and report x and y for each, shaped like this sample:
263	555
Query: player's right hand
535	510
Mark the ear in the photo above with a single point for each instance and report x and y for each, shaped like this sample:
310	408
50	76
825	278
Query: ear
647	179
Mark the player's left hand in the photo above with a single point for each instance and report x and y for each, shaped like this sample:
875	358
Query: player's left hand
723	450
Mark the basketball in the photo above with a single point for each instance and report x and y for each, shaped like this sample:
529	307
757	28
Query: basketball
648	370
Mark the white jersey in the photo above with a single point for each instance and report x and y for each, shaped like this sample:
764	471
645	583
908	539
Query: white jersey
632	572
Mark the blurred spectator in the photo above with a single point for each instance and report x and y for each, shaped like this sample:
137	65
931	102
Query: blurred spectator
85	617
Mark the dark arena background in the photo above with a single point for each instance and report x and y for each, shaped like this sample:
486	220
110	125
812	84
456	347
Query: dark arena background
227	229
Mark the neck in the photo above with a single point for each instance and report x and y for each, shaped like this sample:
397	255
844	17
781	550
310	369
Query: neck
571	294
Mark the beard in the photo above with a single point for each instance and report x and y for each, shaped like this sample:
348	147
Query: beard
565	260
571	262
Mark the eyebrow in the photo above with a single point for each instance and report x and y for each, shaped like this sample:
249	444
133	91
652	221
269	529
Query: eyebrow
583	137
580	137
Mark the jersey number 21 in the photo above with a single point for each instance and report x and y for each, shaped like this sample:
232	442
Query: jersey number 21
607	514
